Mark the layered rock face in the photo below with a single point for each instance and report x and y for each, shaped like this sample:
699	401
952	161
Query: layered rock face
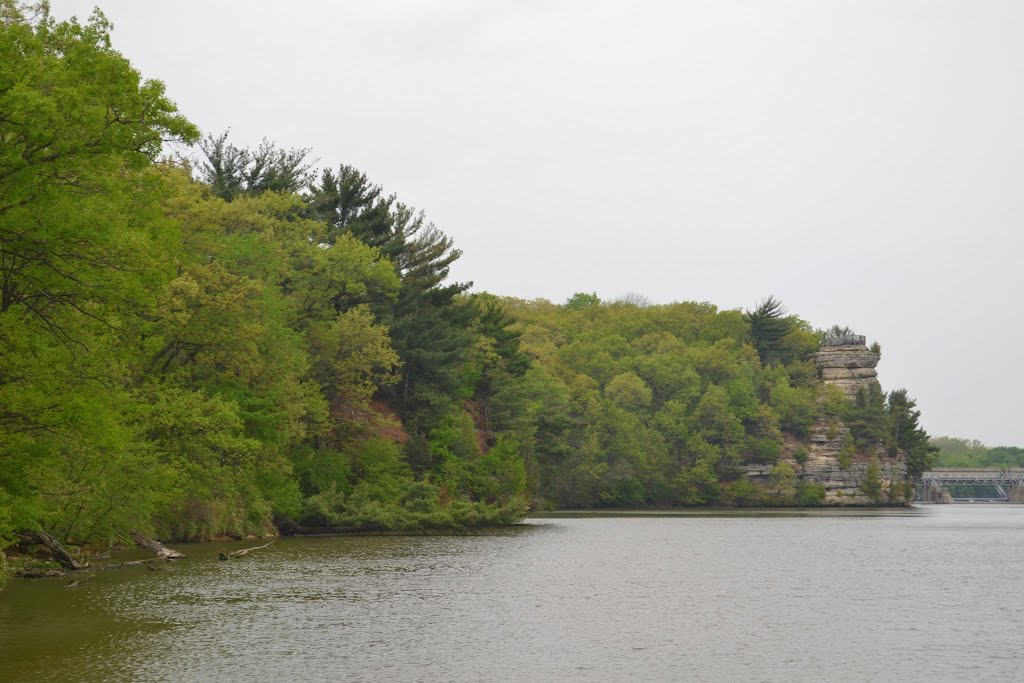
842	481
843	486
849	367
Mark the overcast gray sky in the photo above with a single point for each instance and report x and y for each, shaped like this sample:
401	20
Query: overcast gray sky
861	160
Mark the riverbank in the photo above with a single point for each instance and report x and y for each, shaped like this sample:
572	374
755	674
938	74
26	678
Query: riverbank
36	563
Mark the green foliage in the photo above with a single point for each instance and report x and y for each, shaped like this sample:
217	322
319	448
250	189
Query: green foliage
834	403
954	452
768	327
581	300
174	361
713	419
628	391
599	437
764	450
810	494
797	407
387	498
79	128
351	357
232	171
318	470
906	434
745	493
783	484
498	476
901	492
197	356
847	451
872	484
866	417
697	485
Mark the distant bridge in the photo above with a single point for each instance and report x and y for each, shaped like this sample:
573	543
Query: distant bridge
1000	484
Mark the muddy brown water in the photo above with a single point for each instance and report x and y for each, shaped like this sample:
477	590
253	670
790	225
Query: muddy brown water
923	594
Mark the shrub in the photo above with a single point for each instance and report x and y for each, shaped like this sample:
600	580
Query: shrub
810	494
846	452
745	493
872	484
764	450
783	484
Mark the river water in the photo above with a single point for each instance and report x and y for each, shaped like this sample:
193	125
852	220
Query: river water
925	594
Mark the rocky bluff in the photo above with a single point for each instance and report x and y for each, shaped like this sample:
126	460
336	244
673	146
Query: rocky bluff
825	456
847	363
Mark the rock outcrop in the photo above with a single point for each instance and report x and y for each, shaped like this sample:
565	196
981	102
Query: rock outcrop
849	367
826	456
844	477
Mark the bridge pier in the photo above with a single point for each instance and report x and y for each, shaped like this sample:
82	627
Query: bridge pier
937	494
932	492
1015	493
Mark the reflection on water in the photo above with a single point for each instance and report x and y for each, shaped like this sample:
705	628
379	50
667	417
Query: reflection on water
832	595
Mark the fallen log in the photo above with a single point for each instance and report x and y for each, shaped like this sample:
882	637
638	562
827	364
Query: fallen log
135	563
158	548
59	552
246	551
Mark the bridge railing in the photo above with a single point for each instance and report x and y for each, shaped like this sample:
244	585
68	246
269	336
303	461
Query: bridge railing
846	340
974	476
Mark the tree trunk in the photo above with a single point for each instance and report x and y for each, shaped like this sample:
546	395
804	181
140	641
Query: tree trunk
59	552
158	548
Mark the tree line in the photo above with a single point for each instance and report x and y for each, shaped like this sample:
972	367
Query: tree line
246	341
956	452
628	405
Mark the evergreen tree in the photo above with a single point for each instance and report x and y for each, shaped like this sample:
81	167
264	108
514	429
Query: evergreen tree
866	418
906	434
768	327
429	323
349	203
232	171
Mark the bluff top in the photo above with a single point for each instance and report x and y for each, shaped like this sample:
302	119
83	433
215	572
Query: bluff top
848	364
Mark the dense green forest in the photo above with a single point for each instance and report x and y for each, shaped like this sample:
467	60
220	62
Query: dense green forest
233	341
954	452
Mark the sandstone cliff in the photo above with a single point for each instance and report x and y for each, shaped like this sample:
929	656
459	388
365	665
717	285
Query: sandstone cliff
850	367
826	456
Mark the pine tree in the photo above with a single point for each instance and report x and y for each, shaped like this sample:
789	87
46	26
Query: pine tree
768	326
429	322
232	171
905	434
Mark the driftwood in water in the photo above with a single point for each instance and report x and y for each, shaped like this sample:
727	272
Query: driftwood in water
59	552
136	563
243	553
161	551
